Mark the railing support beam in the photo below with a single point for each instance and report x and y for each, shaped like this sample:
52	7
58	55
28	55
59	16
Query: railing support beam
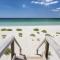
12	50
46	49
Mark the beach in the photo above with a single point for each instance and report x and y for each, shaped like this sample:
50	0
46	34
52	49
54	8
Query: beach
28	43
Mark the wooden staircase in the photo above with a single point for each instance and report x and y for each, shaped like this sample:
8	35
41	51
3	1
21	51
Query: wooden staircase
35	57
11	39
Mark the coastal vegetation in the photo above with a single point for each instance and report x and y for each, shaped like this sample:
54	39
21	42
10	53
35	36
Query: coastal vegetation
18	29
7	51
20	34
4	29
3	36
44	31
33	35
57	32
35	29
9	29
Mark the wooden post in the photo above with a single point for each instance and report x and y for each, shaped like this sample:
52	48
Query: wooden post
12	50
46	49
37	52
20	51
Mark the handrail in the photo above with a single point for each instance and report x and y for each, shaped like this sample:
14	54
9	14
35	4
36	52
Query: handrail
42	43
39	47
7	41
53	44
18	46
46	48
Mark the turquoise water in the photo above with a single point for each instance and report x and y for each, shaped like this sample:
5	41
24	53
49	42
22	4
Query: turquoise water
29	21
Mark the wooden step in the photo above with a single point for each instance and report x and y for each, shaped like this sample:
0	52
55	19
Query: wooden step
18	59
34	58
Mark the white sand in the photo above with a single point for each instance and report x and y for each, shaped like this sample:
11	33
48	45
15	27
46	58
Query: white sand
29	46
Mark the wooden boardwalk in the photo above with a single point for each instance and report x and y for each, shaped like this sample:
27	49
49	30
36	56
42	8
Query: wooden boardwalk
11	39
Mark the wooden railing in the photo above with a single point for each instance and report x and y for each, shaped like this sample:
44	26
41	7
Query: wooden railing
37	51
46	48
9	40
52	42
49	40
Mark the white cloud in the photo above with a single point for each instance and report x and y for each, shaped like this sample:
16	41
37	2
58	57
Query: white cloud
45	2
56	10
48	0
23	5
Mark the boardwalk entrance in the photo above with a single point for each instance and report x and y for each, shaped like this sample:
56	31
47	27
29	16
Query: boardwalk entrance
11	40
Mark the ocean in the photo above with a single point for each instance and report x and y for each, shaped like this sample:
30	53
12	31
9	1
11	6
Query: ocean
29	21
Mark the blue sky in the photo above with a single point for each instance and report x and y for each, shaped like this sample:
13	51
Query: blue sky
29	9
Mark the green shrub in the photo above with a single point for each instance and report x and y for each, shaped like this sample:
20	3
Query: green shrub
20	34
32	35
9	29
7	51
57	32
3	36
18	29
36	29
44	31
38	32
4	29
